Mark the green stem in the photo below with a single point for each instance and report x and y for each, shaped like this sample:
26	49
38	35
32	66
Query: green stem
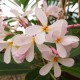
53	76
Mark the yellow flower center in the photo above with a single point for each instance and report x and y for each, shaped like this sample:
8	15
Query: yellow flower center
55	59
10	43
33	40
45	29
58	40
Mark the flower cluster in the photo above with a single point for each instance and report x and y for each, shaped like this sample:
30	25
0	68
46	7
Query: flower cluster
21	46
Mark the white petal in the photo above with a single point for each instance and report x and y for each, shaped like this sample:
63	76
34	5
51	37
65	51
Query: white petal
49	38
69	62
30	54
15	12
57	70
61	51
43	47
2	46
41	16
33	30
46	68
26	13
40	38
21	40
22	49
67	40
7	55
44	5
60	27
47	55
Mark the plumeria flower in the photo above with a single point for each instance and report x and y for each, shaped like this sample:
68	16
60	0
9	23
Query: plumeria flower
54	59
58	36
9	48
52	10
21	17
39	30
26	50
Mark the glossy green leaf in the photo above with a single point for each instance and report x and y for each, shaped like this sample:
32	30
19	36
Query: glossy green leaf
75	52
75	70
34	75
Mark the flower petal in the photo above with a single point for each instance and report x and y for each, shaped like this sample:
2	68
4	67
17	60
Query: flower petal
57	70
33	30
47	55
44	5
61	51
60	27
15	12
40	38
30	54
69	62
67	40
43	47
21	40
2	46
26	13
46	68
7	55
41	16
22	50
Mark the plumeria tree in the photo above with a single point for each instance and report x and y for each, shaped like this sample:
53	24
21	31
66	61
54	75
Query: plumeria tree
48	45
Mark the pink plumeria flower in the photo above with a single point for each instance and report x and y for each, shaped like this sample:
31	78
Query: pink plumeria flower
9	48
58	36
39	30
54	59
26	50
21	17
52	10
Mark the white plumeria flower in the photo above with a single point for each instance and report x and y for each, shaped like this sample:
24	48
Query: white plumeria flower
26	50
9	48
21	17
39	31
54	59
58	36
52	10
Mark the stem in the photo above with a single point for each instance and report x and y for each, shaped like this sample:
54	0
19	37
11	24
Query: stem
53	76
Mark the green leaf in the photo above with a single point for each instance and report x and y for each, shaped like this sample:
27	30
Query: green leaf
75	52
8	69
75	70
24	2
34	75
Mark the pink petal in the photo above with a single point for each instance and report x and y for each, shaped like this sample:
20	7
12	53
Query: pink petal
41	16
40	38
57	70
7	55
33	30
15	12
21	40
30	54
47	55
67	40
2	46
46	68
22	50
60	28
26	13
44	5
61	51
69	62
44	47
49	38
